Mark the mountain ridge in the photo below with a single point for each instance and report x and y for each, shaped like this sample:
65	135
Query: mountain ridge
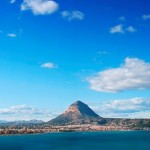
77	113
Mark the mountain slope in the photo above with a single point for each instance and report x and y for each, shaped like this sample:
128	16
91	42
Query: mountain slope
78	113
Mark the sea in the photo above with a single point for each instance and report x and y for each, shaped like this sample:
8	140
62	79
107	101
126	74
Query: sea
104	140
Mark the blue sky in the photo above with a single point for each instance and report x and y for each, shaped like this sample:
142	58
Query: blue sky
53	53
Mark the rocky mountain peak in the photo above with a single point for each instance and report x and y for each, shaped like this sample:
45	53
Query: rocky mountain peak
80	108
77	113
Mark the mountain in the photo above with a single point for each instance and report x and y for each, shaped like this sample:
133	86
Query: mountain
3	121
34	121
20	122
78	113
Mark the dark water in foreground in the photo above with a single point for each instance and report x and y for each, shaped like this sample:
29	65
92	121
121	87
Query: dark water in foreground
115	140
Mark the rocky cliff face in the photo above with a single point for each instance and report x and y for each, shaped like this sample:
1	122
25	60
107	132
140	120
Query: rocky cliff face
78	113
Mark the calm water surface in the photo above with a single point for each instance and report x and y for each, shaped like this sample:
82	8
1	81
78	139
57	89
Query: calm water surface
115	140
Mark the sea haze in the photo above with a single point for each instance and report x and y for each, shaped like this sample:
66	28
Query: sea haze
114	140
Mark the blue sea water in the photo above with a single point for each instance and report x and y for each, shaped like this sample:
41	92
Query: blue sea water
112	140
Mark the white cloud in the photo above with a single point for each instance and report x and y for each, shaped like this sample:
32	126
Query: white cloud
121	29
73	15
12	35
146	17
125	108
133	74
131	29
117	29
49	65
39	7
24	112
12	1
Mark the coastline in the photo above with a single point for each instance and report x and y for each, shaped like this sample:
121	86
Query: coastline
3	135
36	132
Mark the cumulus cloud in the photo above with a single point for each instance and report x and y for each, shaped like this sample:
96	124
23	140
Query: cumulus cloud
146	17
133	74
125	108
24	112
73	15
121	29
19	109
49	65
12	1
39	7
130	29
11	35
117	29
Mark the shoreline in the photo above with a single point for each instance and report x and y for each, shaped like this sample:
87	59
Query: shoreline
20	134
23	130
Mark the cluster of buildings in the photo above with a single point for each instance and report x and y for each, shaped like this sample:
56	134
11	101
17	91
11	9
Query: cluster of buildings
68	128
